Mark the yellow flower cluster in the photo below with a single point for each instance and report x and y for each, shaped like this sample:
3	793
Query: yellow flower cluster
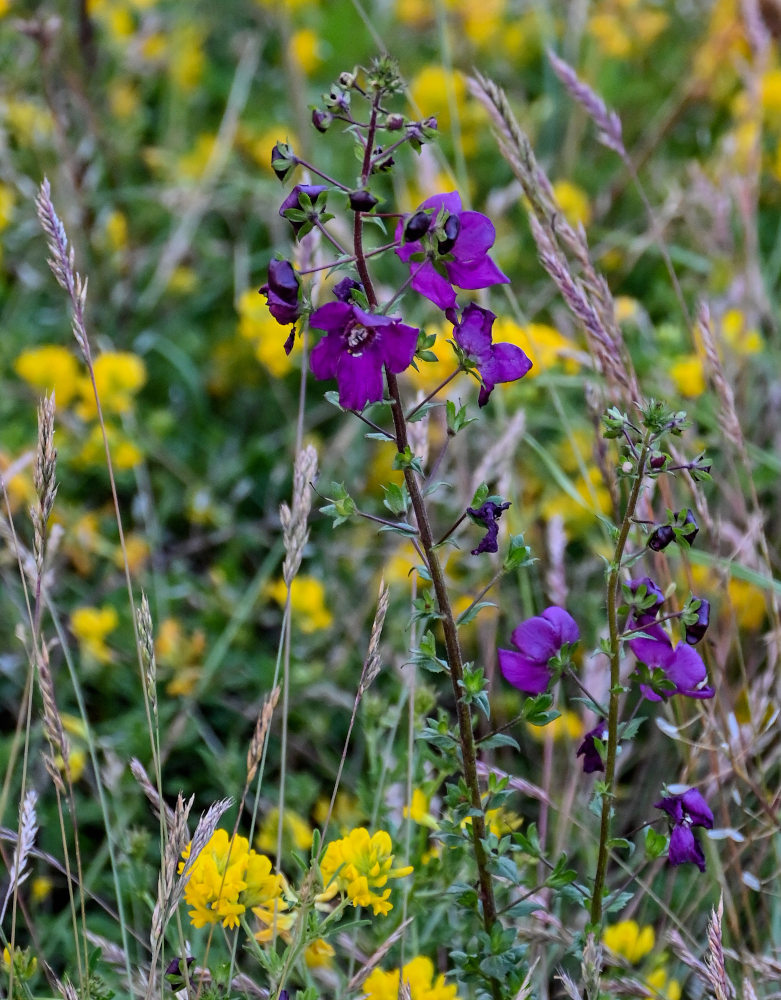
91	626
307	602
419	974
227	879
257	325
629	940
360	865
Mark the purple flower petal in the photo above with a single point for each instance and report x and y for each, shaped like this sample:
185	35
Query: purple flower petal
537	639
684	847
430	283
477	274
695	805
475	237
507	364
473	334
687	671
525	674
325	356
588	751
398	346
331	317
565	625
360	380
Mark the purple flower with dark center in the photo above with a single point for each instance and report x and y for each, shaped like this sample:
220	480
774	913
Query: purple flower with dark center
294	202
682	665
538	639
281	292
697	630
588	750
686	811
488	515
494	362
355	349
451	250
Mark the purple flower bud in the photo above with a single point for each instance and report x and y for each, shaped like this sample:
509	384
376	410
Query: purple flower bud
283	160
417	225
293	201
657	462
343	289
430	123
697	630
451	228
380	166
281	292
488	515
588	751
645	614
322	119
689	527
394	122
661	537
362	200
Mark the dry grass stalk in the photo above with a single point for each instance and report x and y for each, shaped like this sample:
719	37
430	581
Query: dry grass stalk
500	457
555	575
168	891
608	122
44	479
729	421
151	792
588	296
591	966
61	264
146	635
569	985
526	989
295	531
67	990
203	832
372	663
52	721
417	434
374	960
714	959
258	741
28	830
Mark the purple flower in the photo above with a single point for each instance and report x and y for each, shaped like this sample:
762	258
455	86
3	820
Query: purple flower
281	292
686	811
538	639
642	615
494	362
588	751
304	211
686	524
681	664
697	630
454	248
355	349
488	514
344	289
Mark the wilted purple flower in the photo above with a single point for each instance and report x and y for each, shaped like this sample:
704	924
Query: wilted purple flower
588	751
355	349
538	639
494	362
697	630
687	526
343	289
686	811
488	514
281	292
455	252
293	201
681	664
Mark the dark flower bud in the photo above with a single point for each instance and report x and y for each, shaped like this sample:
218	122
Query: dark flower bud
347	80
588	750
281	292
380	166
650	609
657	461
322	119
343	290
362	200
488	515
451	228
394	122
300	203
689	527
661	537
416	226
283	160
697	630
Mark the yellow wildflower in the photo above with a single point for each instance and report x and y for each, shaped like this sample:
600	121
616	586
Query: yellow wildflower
628	940
119	375
319	955
186	57
116	230
359	865
573	202
192	164
27	121
483	22
770	93
228	878
180	653
50	367
155	47
307	602
419	974
295	831
740	337
659	983
183	280
24	962
434	90
257	325
590	496
40	888
123	98
91	626
568	725
346	812
77	760
305	50
748	600
688	376
418	810
542	343
5	6
137	550
125	454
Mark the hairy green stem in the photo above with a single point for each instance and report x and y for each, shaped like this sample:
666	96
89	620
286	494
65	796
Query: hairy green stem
613	585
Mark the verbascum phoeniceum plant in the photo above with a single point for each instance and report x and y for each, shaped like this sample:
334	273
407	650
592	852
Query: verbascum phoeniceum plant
361	336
